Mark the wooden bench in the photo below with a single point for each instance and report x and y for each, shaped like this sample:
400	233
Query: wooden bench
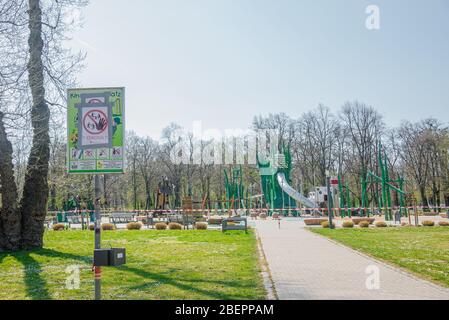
74	219
226	226
124	218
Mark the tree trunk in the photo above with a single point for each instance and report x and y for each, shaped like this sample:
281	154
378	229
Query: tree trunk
10	237
422	193
35	193
147	194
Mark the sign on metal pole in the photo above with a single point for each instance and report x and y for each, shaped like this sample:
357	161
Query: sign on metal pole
96	144
96	131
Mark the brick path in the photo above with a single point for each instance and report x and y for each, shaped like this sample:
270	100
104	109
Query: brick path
305	266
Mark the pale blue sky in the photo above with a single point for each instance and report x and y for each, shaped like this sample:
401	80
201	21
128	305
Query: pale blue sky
224	61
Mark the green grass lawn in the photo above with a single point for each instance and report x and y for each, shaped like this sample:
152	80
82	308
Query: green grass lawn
160	265
424	251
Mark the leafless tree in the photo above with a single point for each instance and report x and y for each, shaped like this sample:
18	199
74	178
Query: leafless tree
33	31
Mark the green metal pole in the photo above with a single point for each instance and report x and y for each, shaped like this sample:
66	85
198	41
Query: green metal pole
363	193
342	200
349	202
387	180
401	198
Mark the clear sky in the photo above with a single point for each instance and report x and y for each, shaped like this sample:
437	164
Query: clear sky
224	61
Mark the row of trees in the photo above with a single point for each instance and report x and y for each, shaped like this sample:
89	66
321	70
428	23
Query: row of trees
345	143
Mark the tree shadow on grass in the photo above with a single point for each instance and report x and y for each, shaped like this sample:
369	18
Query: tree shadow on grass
36	286
153	276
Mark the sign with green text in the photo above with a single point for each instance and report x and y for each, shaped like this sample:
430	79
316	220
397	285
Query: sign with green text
95	130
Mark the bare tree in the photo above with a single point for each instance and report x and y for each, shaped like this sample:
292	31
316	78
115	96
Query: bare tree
42	68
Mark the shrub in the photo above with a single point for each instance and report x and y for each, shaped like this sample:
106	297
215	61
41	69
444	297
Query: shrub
325	224
428	223
107	227
314	222
134	226
91	227
58	227
443	224
381	224
358	220
160	226
348	224
263	216
215	220
275	216
174	226
364	224
201	226
405	224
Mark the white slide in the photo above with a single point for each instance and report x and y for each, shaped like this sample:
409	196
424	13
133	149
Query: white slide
293	193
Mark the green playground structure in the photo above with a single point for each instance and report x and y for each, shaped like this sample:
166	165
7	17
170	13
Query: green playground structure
275	180
234	188
381	184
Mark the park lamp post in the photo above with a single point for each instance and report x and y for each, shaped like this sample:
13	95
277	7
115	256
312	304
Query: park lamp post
329	198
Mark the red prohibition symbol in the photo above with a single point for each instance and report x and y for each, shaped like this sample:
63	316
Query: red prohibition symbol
95	122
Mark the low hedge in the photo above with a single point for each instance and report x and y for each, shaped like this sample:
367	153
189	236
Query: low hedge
107	227
348	224
58	227
134	226
428	223
364	224
160	226
325	224
360	219
381	224
201	226
314	221
174	226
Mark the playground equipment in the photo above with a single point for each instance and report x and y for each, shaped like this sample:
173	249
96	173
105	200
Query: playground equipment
386	186
234	189
275	179
382	186
345	193
162	195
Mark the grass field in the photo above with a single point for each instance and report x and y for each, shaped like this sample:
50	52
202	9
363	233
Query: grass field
424	251
160	265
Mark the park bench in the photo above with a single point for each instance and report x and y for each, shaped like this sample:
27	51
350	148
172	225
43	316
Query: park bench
226	225
116	218
74	219
177	218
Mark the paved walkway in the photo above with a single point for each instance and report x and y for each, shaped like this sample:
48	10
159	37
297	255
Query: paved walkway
305	266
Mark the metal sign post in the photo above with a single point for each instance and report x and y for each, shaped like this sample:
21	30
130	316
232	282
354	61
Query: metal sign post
96	145
329	201
97	270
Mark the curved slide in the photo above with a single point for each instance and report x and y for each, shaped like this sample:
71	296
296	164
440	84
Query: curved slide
293	193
